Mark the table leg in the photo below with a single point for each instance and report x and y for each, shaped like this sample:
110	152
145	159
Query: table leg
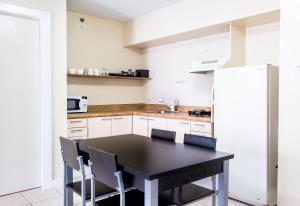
68	178
223	185
151	193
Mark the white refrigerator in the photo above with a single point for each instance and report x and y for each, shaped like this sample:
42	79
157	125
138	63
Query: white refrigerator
246	124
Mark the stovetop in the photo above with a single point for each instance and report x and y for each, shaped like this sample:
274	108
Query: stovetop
200	113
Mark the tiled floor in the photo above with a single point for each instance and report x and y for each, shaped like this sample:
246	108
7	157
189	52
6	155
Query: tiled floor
54	197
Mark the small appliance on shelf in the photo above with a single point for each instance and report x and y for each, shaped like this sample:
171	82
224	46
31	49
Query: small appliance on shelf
77	104
143	73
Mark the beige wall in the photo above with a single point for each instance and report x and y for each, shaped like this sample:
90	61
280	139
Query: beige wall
100	45
58	10
189	15
169	64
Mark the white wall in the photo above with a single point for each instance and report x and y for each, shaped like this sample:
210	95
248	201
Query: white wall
262	44
58	10
100	45
170	63
169	67
289	108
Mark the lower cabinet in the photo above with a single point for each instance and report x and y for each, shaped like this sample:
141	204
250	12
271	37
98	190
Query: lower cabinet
99	127
77	129
156	123
181	127
121	125
140	125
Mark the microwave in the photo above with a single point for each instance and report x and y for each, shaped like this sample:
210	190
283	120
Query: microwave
77	104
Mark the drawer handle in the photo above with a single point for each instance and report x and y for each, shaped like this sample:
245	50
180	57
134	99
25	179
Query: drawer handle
117	118
76	121
76	131
141	118
151	119
106	119
185	123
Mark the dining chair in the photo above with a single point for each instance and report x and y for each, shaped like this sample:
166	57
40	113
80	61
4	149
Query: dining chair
163	135
189	193
104	168
73	159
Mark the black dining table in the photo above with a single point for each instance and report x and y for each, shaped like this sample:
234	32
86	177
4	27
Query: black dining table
158	165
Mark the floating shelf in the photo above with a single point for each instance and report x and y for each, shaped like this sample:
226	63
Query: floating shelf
106	77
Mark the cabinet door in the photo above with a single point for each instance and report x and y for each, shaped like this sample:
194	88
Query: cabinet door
121	125
181	127
99	127
140	125
156	123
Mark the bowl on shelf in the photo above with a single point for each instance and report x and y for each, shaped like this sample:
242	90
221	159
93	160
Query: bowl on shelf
72	70
80	71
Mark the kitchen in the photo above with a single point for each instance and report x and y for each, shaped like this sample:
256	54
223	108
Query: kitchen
129	70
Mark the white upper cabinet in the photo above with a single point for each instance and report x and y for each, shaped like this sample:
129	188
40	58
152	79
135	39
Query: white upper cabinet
99	127
121	125
181	127
140	125
156	123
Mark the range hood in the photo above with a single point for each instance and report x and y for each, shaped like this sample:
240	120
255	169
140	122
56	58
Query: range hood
203	67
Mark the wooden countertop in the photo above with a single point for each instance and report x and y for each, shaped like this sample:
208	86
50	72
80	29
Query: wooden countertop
148	113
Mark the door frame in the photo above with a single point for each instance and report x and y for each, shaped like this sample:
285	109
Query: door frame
45	65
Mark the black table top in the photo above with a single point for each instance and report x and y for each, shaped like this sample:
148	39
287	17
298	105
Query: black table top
152	158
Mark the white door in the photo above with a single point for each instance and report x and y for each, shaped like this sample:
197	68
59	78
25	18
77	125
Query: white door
121	125
140	125
181	127
241	128
20	148
99	127
156	123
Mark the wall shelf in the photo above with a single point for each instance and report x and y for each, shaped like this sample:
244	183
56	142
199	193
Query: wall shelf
107	77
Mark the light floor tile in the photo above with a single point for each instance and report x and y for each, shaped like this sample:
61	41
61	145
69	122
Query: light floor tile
13	200
57	201
208	202
38	195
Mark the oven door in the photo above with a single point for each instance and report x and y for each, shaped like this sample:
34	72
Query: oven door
73	105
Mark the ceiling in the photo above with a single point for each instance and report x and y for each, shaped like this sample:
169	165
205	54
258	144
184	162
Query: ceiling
119	10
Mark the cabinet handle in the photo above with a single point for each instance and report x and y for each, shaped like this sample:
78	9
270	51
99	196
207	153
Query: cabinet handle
200	125
76	131
142	118
151	119
185	123
76	121
106	119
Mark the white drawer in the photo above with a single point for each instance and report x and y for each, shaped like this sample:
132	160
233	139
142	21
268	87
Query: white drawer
77	132
201	127
75	123
201	134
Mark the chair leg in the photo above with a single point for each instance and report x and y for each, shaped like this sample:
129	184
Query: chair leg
121	188
83	179
214	188
93	195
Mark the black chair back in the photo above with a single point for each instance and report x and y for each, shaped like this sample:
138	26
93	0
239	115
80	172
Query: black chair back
200	141
69	150
163	134
104	166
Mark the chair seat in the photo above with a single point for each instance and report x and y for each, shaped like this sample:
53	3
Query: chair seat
100	189
132	198
186	194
